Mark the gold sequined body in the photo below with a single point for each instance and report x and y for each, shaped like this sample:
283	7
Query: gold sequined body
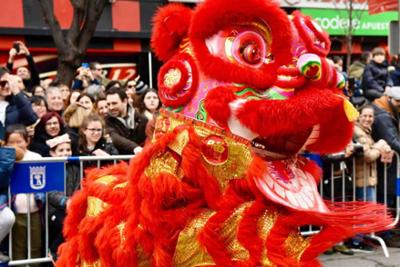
225	157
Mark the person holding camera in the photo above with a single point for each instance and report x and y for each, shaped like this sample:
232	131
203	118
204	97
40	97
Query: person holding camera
14	105
30	75
367	155
84	78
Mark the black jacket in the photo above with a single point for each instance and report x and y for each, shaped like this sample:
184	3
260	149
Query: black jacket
375	78
125	139
386	127
58	200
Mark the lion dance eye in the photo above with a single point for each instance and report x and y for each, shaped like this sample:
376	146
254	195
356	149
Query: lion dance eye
252	54
249	48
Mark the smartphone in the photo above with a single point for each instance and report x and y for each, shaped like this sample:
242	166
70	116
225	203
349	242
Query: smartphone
16	47
85	65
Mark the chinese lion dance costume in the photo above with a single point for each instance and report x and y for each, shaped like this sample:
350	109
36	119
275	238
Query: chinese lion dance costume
246	88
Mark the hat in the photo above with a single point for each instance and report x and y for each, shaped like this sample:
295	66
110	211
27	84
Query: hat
393	92
58	140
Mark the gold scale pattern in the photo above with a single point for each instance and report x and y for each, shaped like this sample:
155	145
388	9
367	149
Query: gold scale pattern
239	151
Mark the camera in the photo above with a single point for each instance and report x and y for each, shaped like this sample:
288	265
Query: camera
16	47
358	149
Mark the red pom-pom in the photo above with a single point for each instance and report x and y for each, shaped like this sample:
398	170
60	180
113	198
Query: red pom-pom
170	26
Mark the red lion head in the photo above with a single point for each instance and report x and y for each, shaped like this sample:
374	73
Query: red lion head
225	64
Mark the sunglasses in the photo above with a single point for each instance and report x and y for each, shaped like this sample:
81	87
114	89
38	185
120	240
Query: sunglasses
3	83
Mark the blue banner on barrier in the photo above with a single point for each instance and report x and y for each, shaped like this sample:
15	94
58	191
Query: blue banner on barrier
37	177
398	186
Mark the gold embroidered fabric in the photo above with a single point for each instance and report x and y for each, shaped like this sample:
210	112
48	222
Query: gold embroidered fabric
265	223
296	245
94	264
229	233
223	165
121	228
180	142
188	251
107	179
95	206
143	259
163	163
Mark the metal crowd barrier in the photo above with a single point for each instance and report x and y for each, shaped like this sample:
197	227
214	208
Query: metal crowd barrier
328	189
64	160
340	185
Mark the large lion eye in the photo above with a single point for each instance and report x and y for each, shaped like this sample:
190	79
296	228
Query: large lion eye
249	48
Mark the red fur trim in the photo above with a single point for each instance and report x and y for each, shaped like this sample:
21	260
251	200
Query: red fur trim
170	26
68	252
213	16
217	104
248	234
308	38
305	109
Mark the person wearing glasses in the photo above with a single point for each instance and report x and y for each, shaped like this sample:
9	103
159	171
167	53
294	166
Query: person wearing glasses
50	126
98	74
92	138
14	105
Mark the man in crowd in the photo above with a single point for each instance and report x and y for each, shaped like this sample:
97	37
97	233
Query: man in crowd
386	127
54	99
125	125
30	76
14	105
97	74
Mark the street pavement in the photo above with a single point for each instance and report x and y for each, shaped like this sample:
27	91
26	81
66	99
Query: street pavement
362	259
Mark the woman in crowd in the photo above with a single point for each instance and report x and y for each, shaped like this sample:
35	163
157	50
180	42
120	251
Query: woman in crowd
92	140
61	147
86	101
49	126
66	93
16	135
149	103
73	117
366	170
74	96
38	91
39	105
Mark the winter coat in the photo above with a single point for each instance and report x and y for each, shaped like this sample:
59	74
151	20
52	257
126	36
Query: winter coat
385	127
58	200
366	172
103	145
375	78
124	138
356	70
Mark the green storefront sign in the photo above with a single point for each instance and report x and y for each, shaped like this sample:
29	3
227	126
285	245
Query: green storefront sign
336	22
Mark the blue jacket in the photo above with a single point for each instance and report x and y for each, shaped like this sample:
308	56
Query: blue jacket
19	110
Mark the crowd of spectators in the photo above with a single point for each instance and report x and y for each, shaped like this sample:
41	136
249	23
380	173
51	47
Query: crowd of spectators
93	116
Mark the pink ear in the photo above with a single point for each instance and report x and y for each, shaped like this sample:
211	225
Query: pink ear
170	26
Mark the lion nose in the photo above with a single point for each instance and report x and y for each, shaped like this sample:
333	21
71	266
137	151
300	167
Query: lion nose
350	110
